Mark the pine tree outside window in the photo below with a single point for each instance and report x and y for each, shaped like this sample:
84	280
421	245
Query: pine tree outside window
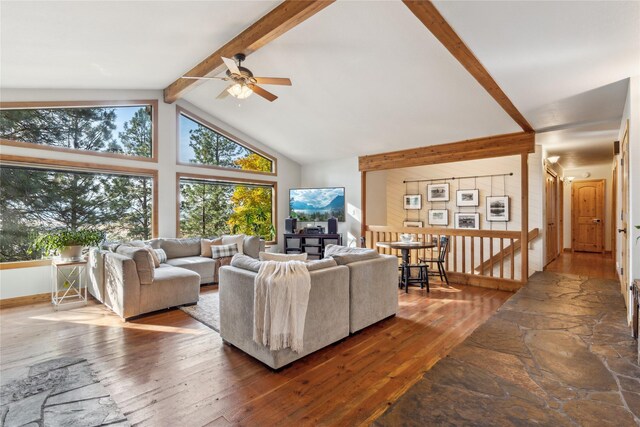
212	207
111	130
201	144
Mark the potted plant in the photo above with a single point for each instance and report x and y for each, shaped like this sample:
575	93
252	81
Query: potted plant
67	243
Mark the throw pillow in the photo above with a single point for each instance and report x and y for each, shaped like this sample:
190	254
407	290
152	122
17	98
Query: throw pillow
268	256
161	254
222	251
205	246
154	256
238	239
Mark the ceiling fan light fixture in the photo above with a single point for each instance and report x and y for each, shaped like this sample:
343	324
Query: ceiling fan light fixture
240	91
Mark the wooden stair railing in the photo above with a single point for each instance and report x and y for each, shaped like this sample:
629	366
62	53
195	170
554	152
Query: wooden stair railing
506	252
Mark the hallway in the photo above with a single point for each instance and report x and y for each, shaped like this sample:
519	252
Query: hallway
593	265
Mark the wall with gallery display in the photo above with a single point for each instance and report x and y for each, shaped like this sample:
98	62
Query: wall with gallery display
426	196
485	203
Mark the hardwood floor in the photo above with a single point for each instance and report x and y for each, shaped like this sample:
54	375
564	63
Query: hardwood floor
169	369
595	265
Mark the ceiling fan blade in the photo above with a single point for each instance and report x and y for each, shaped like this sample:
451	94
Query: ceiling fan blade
224	93
231	65
273	81
204	78
263	93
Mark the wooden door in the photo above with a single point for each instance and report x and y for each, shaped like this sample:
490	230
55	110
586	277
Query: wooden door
551	197
624	216
587	215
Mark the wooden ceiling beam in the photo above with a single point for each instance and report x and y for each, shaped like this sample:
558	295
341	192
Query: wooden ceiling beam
472	149
278	21
427	13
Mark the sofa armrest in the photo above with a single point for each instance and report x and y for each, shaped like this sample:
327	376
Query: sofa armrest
373	291
121	285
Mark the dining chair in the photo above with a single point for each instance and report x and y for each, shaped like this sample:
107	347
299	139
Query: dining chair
439	260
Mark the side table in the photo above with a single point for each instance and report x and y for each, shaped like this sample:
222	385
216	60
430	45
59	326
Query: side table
68	282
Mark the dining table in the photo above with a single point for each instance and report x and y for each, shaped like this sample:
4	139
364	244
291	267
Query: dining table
406	248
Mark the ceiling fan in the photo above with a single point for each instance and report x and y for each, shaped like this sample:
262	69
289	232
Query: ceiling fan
243	83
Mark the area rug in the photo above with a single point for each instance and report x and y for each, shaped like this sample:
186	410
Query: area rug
206	311
58	392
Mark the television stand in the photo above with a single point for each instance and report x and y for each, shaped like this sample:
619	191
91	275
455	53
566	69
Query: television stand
311	244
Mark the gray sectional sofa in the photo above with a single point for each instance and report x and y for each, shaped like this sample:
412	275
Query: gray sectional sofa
355	290
124	278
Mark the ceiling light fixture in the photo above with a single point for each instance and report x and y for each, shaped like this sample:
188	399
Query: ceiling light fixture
240	91
553	159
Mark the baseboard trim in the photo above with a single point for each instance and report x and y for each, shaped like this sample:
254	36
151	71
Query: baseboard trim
26	300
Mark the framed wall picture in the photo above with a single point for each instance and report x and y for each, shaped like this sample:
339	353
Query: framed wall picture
438	217
413	201
438	192
468	198
469	221
412	223
498	208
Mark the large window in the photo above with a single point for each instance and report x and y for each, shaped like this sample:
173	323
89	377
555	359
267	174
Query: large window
34	200
125	130
201	144
212	208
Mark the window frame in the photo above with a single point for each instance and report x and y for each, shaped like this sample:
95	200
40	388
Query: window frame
86	104
182	111
74	166
230	180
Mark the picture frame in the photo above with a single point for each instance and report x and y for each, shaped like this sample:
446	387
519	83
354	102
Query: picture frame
438	192
468	197
413	201
498	208
438	217
412	224
467	221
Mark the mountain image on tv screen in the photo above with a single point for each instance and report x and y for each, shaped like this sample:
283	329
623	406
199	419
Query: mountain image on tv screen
316	204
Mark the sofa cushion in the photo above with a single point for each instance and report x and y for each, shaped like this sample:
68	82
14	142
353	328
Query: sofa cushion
319	264
143	260
251	246
345	255
223	251
179	248
238	239
201	265
268	256
205	246
246	262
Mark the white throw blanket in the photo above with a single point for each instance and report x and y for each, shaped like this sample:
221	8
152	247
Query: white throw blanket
280	299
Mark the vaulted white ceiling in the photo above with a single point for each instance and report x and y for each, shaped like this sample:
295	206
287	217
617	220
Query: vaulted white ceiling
367	76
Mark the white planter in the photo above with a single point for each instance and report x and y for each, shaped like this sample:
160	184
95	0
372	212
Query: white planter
71	253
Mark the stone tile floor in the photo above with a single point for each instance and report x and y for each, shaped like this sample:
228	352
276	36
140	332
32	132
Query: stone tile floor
58	392
557	353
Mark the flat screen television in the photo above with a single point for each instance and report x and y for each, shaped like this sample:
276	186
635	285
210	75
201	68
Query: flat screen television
316	204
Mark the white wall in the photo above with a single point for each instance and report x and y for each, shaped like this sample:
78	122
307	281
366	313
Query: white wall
339	173
631	113
601	171
27	281
508	185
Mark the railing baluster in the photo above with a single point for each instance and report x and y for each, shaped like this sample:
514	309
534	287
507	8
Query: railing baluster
491	256
473	255
481	272
455	253
501	258
464	255
513	260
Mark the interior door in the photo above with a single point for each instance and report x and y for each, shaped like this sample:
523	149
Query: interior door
624	206
551	196
587	219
